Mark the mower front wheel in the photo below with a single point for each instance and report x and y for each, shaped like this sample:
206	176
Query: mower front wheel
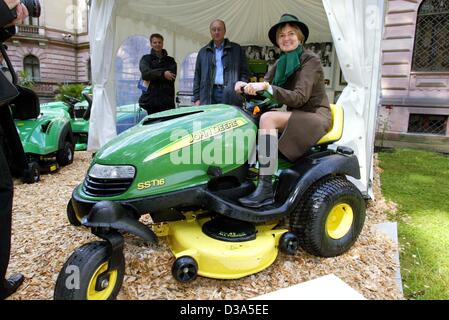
32	174
85	275
71	215
64	156
185	269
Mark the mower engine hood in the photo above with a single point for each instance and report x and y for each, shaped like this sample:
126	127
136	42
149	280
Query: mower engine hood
156	133
162	147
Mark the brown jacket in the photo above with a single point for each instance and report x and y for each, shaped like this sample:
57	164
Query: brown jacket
304	94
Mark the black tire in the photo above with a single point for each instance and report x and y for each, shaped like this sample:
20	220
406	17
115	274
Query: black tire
32	174
71	215
310	219
65	155
75	280
289	243
185	269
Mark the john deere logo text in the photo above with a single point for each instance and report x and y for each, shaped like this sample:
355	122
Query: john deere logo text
182	138
215	130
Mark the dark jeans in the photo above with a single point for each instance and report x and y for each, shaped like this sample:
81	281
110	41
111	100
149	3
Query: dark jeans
217	94
6	195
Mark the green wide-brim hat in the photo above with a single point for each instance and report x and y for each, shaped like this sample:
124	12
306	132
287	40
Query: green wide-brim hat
290	19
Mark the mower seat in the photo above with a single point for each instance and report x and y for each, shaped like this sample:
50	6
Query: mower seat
336	130
26	106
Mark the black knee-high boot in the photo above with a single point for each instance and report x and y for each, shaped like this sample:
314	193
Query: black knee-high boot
264	195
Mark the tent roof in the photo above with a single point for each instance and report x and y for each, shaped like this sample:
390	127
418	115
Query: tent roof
247	21
356	30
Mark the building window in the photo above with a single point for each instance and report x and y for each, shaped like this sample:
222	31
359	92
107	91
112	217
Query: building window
31	21
187	73
31	67
127	72
88	4
89	71
427	123
431	51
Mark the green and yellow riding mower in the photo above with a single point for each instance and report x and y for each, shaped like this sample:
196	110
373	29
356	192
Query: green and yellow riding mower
46	135
186	168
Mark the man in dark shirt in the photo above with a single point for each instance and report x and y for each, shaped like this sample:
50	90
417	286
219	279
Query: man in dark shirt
219	66
11	12
158	75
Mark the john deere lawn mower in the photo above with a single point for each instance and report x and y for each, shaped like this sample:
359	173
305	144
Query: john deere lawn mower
186	168
46	135
128	116
79	113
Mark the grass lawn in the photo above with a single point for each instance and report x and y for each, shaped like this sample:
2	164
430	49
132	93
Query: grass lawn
418	182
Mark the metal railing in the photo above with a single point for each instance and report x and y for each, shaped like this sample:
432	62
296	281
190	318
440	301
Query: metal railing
27	29
428	124
431	51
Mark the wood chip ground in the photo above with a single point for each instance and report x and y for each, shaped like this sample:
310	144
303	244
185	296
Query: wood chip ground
43	240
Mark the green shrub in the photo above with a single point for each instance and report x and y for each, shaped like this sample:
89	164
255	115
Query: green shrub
25	80
71	90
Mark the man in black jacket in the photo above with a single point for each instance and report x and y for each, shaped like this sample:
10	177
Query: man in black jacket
159	75
7	286
219	65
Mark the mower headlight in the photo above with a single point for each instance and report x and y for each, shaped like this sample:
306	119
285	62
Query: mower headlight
100	171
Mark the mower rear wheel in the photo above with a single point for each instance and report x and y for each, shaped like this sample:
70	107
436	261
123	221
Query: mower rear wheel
185	269
32	174
330	217
71	215
85	275
289	243
64	156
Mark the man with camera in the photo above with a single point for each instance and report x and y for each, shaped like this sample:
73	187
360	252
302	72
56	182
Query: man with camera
11	12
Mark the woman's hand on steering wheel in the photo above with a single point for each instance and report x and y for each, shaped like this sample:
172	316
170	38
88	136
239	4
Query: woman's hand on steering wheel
253	88
239	87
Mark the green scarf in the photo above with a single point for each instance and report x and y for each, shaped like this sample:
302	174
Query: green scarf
287	65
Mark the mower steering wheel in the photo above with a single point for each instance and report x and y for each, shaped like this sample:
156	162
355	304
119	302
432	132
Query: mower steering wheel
258	104
71	100
86	115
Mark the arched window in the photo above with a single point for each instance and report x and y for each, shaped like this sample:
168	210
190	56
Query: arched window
127	72
31	67
127	76
431	51
119	68
187	73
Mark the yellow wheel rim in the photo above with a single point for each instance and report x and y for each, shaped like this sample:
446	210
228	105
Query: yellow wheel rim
339	221
92	293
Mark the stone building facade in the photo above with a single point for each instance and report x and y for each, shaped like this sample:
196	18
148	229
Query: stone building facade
415	75
54	48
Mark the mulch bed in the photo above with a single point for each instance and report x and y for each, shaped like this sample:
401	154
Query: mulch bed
43	240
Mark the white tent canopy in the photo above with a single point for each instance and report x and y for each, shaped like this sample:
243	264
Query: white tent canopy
354	26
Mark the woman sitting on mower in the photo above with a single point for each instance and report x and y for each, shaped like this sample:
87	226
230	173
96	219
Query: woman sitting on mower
297	81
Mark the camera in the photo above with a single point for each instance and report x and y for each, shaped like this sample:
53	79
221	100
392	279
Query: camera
33	7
